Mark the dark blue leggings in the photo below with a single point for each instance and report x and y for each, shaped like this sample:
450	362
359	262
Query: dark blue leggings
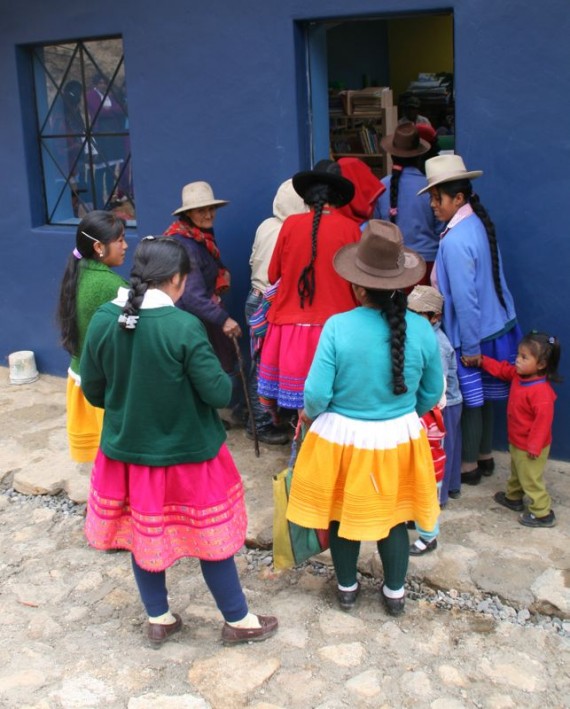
221	577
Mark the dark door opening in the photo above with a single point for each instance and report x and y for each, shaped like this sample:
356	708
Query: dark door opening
362	74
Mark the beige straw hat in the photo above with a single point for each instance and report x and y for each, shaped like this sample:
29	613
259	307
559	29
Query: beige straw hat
196	195
447	168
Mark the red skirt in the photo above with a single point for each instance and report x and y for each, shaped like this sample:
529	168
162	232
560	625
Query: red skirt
286	358
162	514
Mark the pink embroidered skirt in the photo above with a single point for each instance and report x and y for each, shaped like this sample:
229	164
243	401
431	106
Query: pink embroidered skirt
164	514
286	358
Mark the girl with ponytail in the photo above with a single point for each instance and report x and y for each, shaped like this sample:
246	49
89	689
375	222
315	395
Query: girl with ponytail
479	316
309	291
87	283
365	466
164	485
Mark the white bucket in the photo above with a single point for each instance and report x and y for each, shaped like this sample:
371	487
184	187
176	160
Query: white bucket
23	368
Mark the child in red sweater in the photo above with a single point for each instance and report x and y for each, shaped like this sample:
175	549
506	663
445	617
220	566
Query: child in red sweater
530	411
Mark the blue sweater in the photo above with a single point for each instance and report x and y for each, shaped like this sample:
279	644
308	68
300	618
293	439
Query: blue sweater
453	394
351	373
415	217
472	311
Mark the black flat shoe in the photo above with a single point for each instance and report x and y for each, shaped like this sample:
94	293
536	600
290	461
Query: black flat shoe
502	499
394	606
347	599
487	467
454	494
472	477
422	546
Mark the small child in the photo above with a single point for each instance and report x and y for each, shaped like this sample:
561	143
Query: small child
530	411
428	302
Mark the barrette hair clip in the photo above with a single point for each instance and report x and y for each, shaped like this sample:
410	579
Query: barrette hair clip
148	238
97	241
551	340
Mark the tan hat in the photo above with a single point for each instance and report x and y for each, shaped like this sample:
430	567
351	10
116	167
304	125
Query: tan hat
447	168
425	299
380	260
196	195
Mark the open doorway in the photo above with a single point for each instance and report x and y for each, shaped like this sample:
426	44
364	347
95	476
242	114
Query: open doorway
365	75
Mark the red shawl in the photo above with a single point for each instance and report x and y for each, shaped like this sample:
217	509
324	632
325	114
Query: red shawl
207	238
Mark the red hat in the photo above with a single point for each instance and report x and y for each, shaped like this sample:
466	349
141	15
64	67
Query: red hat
427	132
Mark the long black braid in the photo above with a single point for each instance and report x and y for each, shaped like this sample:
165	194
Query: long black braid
156	261
398	165
464	186
392	305
316	197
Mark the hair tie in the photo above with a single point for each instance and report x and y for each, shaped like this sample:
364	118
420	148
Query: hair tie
130	321
76	253
551	340
397	168
393	211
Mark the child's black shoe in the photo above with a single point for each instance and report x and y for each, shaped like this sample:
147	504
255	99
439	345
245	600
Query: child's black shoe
502	499
529	520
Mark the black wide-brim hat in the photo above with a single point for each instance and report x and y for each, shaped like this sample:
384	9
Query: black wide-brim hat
325	172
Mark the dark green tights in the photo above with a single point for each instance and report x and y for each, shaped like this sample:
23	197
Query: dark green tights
393	550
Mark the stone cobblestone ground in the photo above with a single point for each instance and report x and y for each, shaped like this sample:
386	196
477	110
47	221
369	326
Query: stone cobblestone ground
487	622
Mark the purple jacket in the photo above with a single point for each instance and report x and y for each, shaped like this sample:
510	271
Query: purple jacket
200	284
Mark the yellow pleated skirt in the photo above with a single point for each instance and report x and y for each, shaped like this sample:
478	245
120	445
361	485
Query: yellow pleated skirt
367	475
84	423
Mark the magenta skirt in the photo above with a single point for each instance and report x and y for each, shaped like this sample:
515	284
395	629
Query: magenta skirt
286	358
164	514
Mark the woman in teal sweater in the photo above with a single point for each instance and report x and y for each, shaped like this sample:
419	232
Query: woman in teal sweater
365	466
87	283
164	485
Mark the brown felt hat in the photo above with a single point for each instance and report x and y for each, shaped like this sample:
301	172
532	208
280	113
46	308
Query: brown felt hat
380	260
405	142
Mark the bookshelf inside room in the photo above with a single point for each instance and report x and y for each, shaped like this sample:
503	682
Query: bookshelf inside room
358	120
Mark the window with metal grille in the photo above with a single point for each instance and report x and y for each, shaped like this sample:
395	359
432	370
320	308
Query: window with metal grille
83	128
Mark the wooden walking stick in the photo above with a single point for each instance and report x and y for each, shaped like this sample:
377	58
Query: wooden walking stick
247	398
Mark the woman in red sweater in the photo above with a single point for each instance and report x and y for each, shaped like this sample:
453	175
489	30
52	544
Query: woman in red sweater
310	290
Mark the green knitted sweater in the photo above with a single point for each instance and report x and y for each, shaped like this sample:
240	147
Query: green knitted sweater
160	385
97	284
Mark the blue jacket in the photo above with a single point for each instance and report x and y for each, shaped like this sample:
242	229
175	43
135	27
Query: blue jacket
449	363
351	373
472	311
415	217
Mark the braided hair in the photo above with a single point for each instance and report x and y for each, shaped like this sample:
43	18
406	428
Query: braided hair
392	305
156	261
316	197
398	165
464	187
96	226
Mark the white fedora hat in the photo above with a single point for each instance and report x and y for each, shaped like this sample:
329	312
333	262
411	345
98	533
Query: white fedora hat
447	168
196	195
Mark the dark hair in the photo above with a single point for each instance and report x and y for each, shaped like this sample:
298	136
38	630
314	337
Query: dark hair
96	226
315	196
546	349
392	305
398	164
156	260
455	187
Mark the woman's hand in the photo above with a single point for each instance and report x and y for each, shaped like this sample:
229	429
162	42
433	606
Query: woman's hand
471	361
231	328
305	420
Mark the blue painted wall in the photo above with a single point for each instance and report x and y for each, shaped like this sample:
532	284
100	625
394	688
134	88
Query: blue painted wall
217	92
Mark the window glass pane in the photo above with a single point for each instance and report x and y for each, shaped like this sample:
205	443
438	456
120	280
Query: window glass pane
81	104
